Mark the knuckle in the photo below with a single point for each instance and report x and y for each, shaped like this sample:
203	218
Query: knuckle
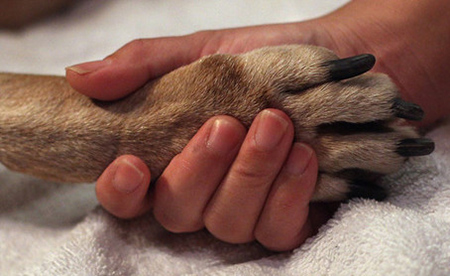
272	243
171	211
203	34
177	224
225	231
248	173
136	44
120	212
265	238
136	49
273	240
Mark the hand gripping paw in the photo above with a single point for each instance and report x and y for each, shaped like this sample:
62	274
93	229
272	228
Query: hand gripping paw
355	121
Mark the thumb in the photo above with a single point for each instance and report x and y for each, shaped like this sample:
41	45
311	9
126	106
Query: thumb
133	65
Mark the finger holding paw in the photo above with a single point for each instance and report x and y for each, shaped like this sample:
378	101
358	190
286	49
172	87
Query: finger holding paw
354	120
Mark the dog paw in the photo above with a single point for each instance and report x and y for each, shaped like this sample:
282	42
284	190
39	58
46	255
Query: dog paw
355	121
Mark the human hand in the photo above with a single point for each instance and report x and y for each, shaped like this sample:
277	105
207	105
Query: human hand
191	194
172	199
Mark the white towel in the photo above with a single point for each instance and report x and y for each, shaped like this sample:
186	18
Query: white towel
54	229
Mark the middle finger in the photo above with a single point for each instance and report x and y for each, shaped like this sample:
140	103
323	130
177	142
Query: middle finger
232	213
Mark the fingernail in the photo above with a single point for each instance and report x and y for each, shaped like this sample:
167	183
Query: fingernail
270	130
223	137
127	177
89	67
298	159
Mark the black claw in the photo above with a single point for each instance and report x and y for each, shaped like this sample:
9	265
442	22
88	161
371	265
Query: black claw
349	67
367	190
415	147
409	111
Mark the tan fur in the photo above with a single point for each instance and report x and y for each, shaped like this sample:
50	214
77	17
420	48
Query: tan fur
50	131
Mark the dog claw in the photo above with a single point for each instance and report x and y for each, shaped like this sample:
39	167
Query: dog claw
406	110
367	190
415	147
350	67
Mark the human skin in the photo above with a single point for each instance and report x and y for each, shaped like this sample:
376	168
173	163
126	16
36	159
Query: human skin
407	37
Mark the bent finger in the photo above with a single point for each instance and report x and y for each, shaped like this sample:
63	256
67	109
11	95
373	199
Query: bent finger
283	223
186	185
233	212
122	189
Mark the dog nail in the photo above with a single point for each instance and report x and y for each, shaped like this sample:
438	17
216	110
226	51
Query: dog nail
363	189
415	147
409	111
349	67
